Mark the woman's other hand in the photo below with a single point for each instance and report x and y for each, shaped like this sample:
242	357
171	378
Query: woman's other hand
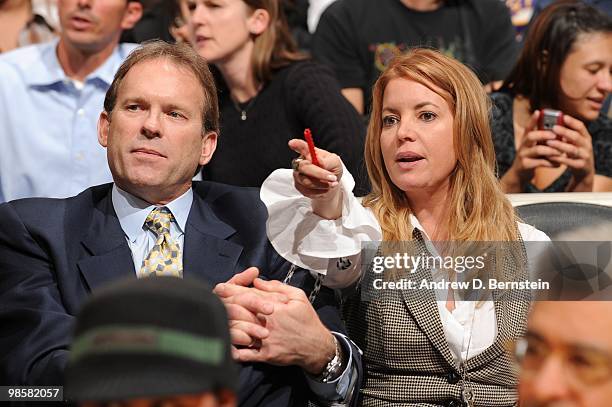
576	147
321	184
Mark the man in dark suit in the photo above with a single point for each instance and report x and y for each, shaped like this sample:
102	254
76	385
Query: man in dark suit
159	125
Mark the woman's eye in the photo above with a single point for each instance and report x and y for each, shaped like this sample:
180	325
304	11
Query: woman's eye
594	69
389	121
427	116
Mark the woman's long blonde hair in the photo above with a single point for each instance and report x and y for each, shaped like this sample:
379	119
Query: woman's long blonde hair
479	210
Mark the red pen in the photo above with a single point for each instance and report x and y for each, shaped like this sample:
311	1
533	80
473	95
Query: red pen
311	147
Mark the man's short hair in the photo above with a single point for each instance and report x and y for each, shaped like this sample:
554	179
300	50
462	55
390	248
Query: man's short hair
182	55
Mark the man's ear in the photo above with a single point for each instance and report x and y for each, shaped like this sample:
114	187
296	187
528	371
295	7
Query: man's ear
209	145
103	128
259	21
132	14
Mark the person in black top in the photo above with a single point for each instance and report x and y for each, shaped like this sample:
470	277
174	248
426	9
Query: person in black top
358	38
269	93
566	65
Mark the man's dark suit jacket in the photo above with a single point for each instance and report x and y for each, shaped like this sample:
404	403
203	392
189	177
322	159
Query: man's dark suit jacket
54	252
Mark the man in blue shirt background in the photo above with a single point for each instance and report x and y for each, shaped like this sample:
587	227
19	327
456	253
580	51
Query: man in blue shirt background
51	95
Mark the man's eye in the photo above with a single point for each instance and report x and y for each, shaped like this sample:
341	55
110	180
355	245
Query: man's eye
583	361
389	121
175	114
532	352
427	116
133	107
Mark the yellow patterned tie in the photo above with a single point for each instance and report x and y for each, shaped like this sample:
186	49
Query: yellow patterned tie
165	258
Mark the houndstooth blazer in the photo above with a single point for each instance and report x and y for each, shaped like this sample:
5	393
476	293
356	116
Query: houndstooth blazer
405	354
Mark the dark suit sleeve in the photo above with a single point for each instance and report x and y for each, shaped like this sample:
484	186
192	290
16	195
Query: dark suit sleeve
35	325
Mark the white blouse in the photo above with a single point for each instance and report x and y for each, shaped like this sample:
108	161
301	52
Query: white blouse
333	248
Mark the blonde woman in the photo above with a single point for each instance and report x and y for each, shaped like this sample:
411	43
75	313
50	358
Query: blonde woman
431	162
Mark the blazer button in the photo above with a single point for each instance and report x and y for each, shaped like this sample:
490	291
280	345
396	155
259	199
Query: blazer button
453	377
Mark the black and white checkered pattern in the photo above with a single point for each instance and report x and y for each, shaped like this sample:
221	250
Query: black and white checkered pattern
406	356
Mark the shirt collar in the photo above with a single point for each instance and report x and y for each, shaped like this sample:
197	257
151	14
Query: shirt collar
132	211
417	225
49	71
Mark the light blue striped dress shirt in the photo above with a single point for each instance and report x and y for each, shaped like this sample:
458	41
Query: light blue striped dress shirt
48	137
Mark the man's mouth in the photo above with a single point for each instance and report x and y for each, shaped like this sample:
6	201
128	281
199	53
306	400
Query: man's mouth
148	152
81	22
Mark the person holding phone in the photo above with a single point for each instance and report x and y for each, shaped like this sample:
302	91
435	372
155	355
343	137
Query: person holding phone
565	65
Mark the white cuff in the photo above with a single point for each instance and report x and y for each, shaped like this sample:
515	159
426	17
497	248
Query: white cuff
310	241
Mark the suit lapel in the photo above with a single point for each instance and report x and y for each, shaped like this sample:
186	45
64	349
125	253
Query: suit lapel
111	258
423	306
207	254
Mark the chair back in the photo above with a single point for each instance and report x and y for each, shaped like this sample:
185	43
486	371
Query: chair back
556	217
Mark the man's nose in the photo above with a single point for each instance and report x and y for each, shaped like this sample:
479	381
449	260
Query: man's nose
151	125
84	3
551	382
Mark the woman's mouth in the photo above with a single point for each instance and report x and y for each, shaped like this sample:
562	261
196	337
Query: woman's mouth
408	159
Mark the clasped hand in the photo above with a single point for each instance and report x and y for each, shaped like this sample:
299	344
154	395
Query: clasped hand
274	323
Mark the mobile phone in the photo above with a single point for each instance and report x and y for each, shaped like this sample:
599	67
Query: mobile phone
548	118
